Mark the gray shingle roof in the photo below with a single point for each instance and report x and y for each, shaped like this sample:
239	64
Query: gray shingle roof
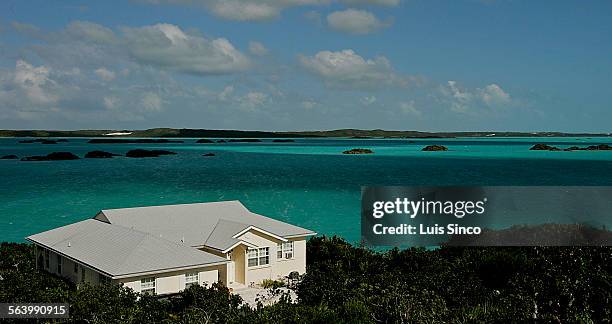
119	251
212	224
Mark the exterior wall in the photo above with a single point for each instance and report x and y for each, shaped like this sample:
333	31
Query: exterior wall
238	256
174	282
278	268
165	283
82	273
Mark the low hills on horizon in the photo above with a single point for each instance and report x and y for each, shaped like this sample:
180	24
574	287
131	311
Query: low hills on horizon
354	133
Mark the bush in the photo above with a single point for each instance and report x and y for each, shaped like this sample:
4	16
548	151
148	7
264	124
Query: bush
272	284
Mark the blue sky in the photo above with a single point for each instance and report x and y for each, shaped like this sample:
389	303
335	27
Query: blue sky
307	64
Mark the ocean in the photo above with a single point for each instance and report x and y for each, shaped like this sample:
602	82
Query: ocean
309	183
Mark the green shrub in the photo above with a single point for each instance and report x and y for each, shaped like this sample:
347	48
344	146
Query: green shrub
272	284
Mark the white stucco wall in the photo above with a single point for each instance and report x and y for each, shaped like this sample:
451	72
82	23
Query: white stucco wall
278	268
173	282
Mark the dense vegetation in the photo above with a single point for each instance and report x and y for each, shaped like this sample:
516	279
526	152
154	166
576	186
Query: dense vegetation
357	285
357	133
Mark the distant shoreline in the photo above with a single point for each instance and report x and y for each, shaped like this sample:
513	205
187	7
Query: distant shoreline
351	133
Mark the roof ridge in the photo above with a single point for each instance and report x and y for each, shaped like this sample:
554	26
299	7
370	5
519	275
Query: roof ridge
181	204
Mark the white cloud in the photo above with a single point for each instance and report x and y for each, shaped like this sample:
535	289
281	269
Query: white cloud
89	31
257	48
494	95
253	100
33	81
226	93
368	100
105	74
352	21
308	104
409	108
243	10
167	46
110	102
463	100
389	3
346	69
151	102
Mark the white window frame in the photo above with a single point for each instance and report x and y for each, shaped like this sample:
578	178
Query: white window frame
148	285
284	250
191	279
257	254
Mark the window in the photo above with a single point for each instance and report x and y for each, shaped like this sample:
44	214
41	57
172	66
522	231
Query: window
147	286
259	256
284	250
59	264
46	259
82	274
191	279
76	267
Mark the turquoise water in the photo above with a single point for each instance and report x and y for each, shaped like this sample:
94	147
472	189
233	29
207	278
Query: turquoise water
308	183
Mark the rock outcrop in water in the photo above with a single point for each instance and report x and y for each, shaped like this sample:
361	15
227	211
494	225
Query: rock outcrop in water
9	157
600	147
131	141
204	141
245	140
99	155
283	141
544	147
55	156
139	153
432	148
208	154
358	151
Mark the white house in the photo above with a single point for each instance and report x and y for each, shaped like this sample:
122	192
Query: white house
164	249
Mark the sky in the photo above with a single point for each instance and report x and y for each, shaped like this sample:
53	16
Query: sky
428	65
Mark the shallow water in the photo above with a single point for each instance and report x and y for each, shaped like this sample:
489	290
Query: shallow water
308	183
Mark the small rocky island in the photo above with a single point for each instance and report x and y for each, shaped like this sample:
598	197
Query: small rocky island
100	155
131	141
208	154
358	151
204	141
139	153
545	147
9	157
55	156
245	140
283	141
432	148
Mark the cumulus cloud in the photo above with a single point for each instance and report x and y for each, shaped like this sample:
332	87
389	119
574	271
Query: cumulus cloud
494	95
167	46
347	69
464	100
352	21
257	48
105	74
33	81
243	10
